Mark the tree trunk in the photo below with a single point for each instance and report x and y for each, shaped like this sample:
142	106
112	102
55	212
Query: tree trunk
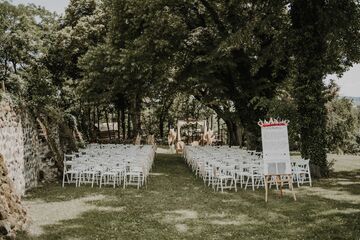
123	123
235	132
161	128
98	122
312	119
136	116
93	132
113	125
107	124
309	52
88	124
129	125
53	146
219	130
118	125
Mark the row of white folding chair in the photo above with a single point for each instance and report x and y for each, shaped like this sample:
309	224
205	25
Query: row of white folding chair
101	174
227	166
85	169
300	168
89	170
301	171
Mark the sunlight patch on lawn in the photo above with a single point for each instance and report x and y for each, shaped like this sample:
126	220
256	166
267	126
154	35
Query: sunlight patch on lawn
48	213
332	194
242	219
179	216
339	211
158	174
155	192
182	228
341	181
226	222
241	202
274	216
346	183
218	215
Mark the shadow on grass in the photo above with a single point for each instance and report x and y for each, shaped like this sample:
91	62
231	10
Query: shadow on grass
176	205
343	181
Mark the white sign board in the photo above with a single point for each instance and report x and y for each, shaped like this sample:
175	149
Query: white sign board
276	153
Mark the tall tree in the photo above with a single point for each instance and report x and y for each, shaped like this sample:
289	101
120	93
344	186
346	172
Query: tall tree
144	35
326	38
235	56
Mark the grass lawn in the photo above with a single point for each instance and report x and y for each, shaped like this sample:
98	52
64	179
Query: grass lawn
176	205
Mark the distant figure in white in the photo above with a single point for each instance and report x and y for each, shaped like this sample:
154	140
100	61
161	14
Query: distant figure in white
171	137
180	145
150	139
195	143
138	140
209	137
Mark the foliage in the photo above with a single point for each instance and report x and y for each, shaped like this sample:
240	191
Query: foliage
343	127
231	67
27	35
325	37
24	40
148	63
235	64
286	109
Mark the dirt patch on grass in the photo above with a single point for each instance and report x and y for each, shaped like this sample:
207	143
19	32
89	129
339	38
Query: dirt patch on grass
218	215
224	219
158	174
45	213
229	200
179	216
339	211
181	228
333	194
155	192
241	202
225	222
347	183
274	216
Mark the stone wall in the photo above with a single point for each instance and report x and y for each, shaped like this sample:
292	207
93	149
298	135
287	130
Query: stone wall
12	143
26	153
12	213
39	164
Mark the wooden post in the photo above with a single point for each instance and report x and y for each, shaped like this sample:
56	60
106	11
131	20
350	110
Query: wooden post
3	85
266	182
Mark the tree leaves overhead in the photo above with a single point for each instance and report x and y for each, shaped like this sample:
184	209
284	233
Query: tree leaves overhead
138	56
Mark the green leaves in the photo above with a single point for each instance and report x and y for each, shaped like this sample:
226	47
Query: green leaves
320	47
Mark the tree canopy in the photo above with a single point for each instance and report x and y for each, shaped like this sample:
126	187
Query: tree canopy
140	62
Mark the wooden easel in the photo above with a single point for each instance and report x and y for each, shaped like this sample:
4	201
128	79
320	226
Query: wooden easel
280	179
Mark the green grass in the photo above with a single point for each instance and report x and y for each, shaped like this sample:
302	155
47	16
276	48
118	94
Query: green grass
242	215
